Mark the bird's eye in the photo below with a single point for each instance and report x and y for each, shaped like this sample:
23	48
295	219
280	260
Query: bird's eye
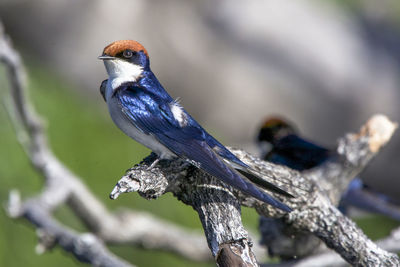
127	54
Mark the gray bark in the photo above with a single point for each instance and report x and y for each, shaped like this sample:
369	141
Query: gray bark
313	207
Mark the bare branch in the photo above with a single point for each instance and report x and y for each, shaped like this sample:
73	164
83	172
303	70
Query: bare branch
353	154
313	210
218	208
85	247
63	186
355	151
330	259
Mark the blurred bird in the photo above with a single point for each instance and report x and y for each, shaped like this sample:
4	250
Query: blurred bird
280	143
143	110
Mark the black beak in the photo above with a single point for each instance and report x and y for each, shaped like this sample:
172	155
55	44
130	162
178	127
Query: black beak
105	57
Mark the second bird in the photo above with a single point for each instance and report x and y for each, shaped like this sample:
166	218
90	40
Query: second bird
281	144
142	109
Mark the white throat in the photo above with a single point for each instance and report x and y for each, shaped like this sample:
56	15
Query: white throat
120	71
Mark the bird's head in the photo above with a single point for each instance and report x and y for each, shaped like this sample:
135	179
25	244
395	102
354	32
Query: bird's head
125	58
274	129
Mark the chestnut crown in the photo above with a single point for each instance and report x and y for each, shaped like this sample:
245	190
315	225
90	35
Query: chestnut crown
124	48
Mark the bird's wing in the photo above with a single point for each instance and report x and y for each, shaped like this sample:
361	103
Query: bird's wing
222	151
103	87
187	141
295	142
242	167
298	153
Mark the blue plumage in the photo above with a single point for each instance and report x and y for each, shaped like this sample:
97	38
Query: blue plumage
141	107
151	113
297	153
287	148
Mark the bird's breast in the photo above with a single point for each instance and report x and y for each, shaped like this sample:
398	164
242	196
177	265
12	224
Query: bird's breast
125	124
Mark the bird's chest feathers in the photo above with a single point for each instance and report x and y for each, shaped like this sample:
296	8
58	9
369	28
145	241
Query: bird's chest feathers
121	120
128	126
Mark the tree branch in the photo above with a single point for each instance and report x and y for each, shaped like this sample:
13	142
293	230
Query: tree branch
354	151
313	210
85	247
331	259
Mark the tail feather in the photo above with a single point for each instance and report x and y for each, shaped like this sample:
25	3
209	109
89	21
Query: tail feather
216	166
263	183
200	154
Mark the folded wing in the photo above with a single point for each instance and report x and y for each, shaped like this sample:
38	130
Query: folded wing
188	141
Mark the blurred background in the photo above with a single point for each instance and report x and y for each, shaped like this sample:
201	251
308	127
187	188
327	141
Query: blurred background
325	65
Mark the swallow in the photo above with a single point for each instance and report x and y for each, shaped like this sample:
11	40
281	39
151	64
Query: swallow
280	143
140	106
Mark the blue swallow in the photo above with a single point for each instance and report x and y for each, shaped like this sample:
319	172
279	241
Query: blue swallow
143	110
280	143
